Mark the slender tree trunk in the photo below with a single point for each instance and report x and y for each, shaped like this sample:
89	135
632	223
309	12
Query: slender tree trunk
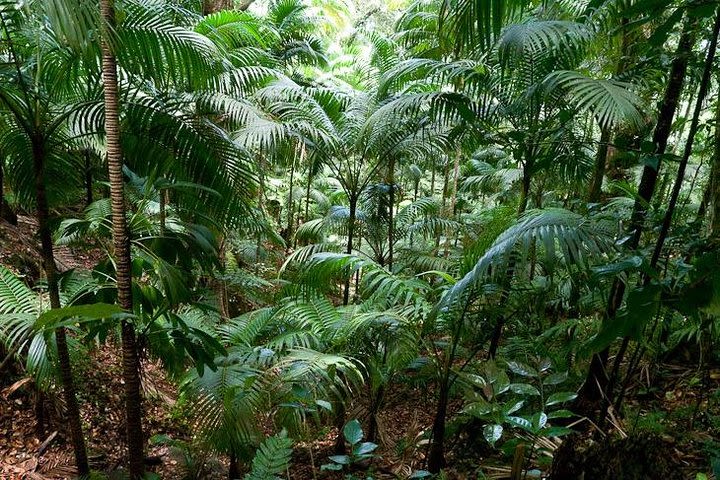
601	157
340	414
714	184
375	402
121	241
436	455
594	388
510	272
88	179
163	215
704	87
350	239
432	180
525	188
446	183
6	212
234	470
307	194
456	174
290	209
391	209
599	170
43	217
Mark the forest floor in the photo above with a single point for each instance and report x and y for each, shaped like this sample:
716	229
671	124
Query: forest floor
676	401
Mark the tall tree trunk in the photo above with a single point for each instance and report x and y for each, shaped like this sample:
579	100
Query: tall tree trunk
436	455
290	209
308	187
704	87
6	212
714	184
121	242
594	388
525	185
599	170
43	216
391	209
234	470
433	172
510	272
350	239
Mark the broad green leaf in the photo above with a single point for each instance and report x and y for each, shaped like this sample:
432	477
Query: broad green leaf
476	380
340	459
492	433
522	369
560	397
478	408
353	432
521	422
364	448
523	389
555	378
539	420
511	407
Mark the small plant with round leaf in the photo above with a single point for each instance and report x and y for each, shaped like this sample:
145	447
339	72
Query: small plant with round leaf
359	451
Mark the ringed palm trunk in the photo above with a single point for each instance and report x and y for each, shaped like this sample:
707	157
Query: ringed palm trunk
121	243
73	410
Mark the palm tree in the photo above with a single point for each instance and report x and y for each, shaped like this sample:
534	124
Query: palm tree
32	124
123	262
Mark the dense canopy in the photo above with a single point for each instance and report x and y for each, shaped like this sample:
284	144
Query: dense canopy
295	239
